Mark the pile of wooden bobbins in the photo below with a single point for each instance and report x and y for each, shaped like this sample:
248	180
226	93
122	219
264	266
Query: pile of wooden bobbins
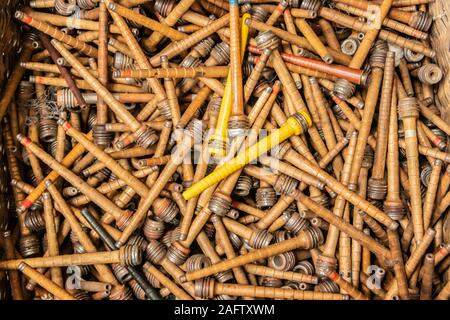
206	149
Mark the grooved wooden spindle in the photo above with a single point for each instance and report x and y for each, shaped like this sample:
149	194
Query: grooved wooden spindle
353	75
406	78
314	40
347	287
369	110
327	259
84	239
238	121
358	222
166	282
177	158
286	275
102	61
300	241
325	122
398	264
337	149
57	34
291	48
277	12
78	259
408	113
139	55
348	112
393	205
303	164
178	72
60	140
14	276
171	95
344	226
427	279
254	77
444	294
44	282
269	40
179	46
310	101
118	108
430	196
377	183
57	20
122	127
52	241
293	68
338	56
200	172
152	41
103	157
68	160
385	35
218	143
161	28
387	22
82	84
288	170
431	136
212	289
63	70
104	189
42	3
353	100
410	18
209	251
430	115
413	261
15	77
213	7
225	242
28	242
172	269
278	208
202	21
34	136
245	232
329	34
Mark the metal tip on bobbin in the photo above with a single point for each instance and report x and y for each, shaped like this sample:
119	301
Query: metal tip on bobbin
19	14
48	182
19	137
